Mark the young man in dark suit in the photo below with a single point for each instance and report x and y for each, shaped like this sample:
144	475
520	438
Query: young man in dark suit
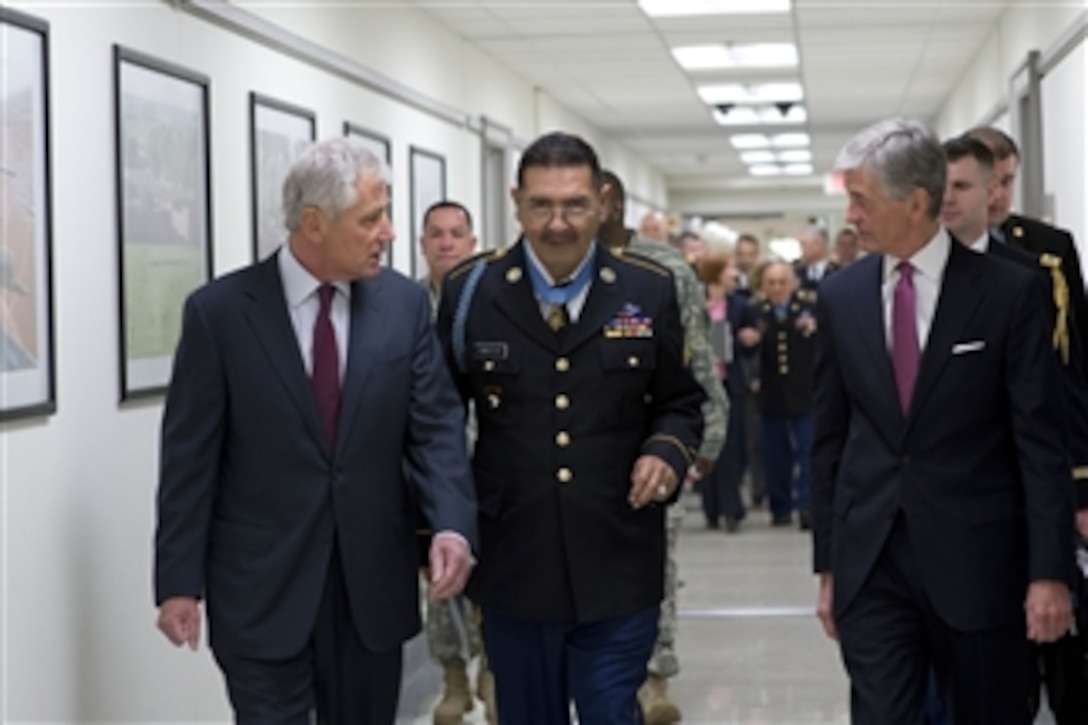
942	506
303	388
1060	664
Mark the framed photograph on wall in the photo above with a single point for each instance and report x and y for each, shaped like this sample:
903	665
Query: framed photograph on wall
427	178
27	379
380	146
163	208
279	133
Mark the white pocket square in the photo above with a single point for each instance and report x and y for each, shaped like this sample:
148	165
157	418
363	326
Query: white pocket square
961	348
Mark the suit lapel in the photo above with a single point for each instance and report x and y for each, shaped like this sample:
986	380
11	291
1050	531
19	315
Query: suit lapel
515	298
267	314
368	327
958	300
870	317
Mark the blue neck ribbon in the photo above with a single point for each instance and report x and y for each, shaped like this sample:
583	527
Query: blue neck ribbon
562	294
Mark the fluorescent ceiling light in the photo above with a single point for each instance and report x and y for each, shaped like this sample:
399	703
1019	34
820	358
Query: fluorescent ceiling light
749	141
798	169
681	8
790	140
751	93
798	156
758	157
760	115
751	55
765	170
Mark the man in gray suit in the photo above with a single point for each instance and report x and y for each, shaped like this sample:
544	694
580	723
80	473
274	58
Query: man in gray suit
303	388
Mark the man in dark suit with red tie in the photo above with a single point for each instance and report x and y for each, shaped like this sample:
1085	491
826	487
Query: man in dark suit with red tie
942	506
303	388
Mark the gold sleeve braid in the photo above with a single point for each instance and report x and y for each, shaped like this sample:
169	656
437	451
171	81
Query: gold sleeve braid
1060	335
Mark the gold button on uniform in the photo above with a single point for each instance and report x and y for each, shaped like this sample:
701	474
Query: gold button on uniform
562	402
562	364
632	361
564	475
562	439
489	365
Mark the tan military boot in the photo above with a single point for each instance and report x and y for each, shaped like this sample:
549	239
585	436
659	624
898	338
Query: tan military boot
485	690
456	697
657	709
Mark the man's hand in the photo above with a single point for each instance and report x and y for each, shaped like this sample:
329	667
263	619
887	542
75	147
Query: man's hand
1049	610
179	620
748	336
824	606
451	563
703	466
1082	523
651	480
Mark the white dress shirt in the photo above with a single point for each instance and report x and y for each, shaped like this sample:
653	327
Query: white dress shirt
300	289
982	244
929	263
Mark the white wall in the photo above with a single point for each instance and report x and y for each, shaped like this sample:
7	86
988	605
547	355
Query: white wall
1065	152
77	488
1021	29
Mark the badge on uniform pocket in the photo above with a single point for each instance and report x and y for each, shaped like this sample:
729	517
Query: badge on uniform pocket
629	322
490	351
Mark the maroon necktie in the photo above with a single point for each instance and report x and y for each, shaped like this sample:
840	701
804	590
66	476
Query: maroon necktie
325	378
905	335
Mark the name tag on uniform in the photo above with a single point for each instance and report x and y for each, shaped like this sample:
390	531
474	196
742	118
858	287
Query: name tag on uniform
490	351
629	322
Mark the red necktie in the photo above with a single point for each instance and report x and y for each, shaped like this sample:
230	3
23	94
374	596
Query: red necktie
325	377
905	335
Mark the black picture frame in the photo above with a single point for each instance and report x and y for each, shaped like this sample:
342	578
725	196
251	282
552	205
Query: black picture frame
278	133
164	213
427	179
382	147
27	343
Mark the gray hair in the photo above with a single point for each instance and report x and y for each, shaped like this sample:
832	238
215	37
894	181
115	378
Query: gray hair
904	155
325	177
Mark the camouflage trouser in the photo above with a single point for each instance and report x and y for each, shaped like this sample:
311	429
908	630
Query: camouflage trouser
453	636
663	662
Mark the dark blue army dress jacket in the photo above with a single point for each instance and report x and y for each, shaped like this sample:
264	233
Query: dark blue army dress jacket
563	416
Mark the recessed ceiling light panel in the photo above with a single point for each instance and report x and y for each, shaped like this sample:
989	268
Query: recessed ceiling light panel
718	56
751	93
685	8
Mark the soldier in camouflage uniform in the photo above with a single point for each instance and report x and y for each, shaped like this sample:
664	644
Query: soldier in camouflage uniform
656	706
453	625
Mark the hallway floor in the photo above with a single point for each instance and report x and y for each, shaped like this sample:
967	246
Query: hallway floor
751	649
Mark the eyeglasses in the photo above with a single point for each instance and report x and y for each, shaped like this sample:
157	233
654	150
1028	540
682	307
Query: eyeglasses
542	212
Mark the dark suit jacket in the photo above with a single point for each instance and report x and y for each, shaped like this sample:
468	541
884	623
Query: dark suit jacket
250	497
562	419
978	468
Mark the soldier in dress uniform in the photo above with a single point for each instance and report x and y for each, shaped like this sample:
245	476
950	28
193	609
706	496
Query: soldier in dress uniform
588	418
783	326
452	625
657	708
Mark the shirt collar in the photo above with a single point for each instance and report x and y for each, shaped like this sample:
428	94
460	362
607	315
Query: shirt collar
298	283
929	261
982	244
